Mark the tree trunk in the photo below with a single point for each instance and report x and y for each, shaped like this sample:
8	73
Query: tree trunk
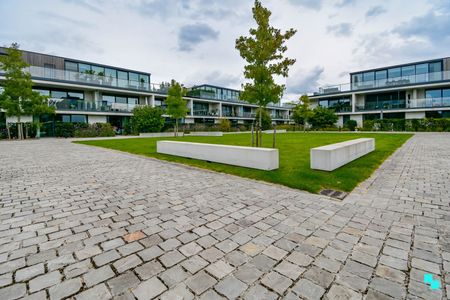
253	141
257	134
38	130
26	132
274	135
260	126
9	132
176	127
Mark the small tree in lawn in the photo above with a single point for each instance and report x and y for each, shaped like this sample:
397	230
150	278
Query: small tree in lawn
18	98
302	112
147	119
176	105
323	117
263	51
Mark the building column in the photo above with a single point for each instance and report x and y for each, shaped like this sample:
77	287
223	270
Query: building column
152	101
97	97
220	109
353	102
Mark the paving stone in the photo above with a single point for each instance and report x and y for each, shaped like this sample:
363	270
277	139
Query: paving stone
12	292
27	273
352	281
87	252
219	269
358	269
263	262
394	262
149	269
388	287
319	276
227	246
173	276
230	287
65	289
180	292
171	258
190	249
275	253
390	273
258	292
127	263
248	274
236	258
106	257
328	264
149	289
98	275
150	253
42	295
425	265
122	283
200	282
276	282
194	264
308	290
300	259
252	249
340	292
212	254
44	281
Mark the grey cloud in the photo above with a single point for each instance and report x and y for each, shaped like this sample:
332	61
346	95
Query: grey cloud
311	4
341	29
375	11
223	79
304	81
87	5
161	8
343	3
194	34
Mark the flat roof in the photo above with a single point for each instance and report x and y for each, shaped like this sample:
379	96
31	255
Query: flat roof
401	65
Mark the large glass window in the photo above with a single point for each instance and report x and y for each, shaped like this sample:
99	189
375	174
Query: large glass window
408	71
110	73
59	94
133	77
122	78
76	95
40	91
83	68
357	78
368	76
120	99
422	69
435	71
71	66
394	73
78	118
65	118
98	70
380	75
132	100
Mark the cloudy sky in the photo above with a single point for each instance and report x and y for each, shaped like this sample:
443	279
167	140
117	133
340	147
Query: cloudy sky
192	41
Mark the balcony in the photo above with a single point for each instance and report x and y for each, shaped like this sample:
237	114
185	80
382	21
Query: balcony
406	104
82	105
41	73
206	113
385	83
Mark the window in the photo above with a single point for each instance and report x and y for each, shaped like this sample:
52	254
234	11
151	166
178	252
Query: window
110	73
120	99
58	94
394	73
83	68
122	78
446	93
76	95
133	77
435	70
71	66
66	118
108	99
323	103
421	69
144	78
42	92
49	71
380	75
78	118
368	76
408	71
356	78
98	70
133	100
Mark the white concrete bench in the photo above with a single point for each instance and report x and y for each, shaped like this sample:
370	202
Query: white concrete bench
250	157
160	134
205	133
331	157
278	131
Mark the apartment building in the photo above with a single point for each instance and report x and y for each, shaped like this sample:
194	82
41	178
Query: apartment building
88	92
408	91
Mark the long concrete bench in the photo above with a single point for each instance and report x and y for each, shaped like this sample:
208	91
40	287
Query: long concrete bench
250	157
160	134
331	157
205	133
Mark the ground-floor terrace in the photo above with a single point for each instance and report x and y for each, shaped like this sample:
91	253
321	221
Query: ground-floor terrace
96	224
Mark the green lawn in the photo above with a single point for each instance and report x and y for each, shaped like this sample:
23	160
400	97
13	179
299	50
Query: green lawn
294	149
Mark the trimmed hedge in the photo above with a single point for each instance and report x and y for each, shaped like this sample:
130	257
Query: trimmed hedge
421	125
28	127
64	129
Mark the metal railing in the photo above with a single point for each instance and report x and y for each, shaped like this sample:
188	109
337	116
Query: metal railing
406	104
82	105
385	83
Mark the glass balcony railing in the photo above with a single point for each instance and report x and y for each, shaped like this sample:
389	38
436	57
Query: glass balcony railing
386	83
406	104
93	79
82	105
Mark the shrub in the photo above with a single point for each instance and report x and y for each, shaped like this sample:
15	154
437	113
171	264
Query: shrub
351	125
266	120
225	125
147	119
436	125
95	130
322	117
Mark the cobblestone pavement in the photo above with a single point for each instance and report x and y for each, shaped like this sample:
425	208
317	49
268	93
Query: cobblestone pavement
89	223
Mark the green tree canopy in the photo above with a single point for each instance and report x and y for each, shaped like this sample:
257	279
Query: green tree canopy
147	119
176	105
266	120
302	112
263	52
323	117
18	98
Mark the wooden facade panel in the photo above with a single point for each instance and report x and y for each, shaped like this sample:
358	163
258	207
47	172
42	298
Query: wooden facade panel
40	60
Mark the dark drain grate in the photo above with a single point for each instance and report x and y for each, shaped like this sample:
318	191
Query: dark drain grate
334	194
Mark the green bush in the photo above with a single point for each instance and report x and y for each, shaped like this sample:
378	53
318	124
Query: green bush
266	120
429	125
29	130
322	117
95	130
225	125
351	125
147	119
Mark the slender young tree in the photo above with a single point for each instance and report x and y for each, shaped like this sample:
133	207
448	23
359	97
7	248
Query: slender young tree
264	52
18	98
176	105
302	112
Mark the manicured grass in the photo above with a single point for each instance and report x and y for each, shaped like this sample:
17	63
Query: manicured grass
294	149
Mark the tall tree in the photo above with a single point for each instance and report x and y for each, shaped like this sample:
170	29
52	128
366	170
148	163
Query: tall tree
18	98
302	112
264	52
176	105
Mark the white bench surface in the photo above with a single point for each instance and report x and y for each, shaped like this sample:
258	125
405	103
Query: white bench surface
343	144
